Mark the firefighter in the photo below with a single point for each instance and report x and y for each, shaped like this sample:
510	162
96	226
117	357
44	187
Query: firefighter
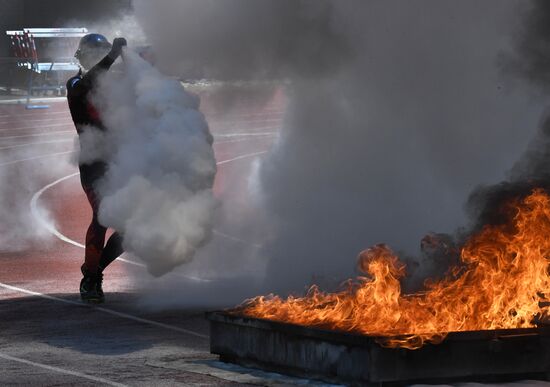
95	55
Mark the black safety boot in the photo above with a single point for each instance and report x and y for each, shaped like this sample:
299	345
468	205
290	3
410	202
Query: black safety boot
91	287
99	286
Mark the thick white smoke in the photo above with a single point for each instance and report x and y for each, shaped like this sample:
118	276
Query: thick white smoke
397	110
20	225
158	189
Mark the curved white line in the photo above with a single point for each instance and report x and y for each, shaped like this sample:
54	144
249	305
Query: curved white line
36	213
61	370
105	310
51	228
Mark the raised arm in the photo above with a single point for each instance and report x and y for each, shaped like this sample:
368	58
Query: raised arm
79	86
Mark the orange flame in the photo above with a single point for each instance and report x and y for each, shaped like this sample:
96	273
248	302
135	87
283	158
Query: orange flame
502	284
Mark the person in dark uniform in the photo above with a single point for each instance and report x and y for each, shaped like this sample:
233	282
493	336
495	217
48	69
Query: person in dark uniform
96	55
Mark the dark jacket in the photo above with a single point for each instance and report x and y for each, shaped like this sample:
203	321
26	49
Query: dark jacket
78	93
84	113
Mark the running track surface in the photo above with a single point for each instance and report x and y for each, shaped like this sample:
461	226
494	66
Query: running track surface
47	337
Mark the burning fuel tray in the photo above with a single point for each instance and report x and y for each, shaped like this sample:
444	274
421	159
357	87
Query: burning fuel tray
341	357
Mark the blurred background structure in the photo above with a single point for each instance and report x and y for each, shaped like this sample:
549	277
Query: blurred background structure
21	53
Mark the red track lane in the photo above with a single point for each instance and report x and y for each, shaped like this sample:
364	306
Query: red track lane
53	266
31	148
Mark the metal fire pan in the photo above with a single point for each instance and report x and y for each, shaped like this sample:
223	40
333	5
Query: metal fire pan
342	357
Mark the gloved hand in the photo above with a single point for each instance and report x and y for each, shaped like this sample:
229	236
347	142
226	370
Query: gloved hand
116	50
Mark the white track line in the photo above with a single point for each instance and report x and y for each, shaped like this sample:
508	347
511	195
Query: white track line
235	239
71	140
240	122
244	134
37	143
104	310
62	370
32	100
35	158
67	112
57	120
51	228
235	115
35	113
247	134
65	124
240	157
271	130
65	121
37	134
36	214
233	141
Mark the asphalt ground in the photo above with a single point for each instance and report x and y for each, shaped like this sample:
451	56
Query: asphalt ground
47	336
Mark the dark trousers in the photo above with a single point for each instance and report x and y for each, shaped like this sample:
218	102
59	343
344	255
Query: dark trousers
98	255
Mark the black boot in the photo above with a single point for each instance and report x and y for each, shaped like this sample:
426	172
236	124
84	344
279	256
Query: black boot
99	286
91	287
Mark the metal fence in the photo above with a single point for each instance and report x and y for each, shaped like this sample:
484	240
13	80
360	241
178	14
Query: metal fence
42	60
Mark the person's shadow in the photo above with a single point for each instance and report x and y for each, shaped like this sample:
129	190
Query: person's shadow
89	330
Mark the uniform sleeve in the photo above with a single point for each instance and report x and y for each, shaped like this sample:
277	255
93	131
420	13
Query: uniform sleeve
77	86
71	83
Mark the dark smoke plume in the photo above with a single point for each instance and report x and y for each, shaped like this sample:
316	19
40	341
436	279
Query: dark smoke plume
528	62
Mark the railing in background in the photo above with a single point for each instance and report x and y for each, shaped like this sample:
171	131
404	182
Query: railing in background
46	55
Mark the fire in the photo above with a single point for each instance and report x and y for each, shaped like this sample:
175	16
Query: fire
501	283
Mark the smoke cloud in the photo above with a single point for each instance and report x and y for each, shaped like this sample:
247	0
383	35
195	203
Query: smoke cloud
529	62
19	180
244	39
397	111
120	24
530	58
157	191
